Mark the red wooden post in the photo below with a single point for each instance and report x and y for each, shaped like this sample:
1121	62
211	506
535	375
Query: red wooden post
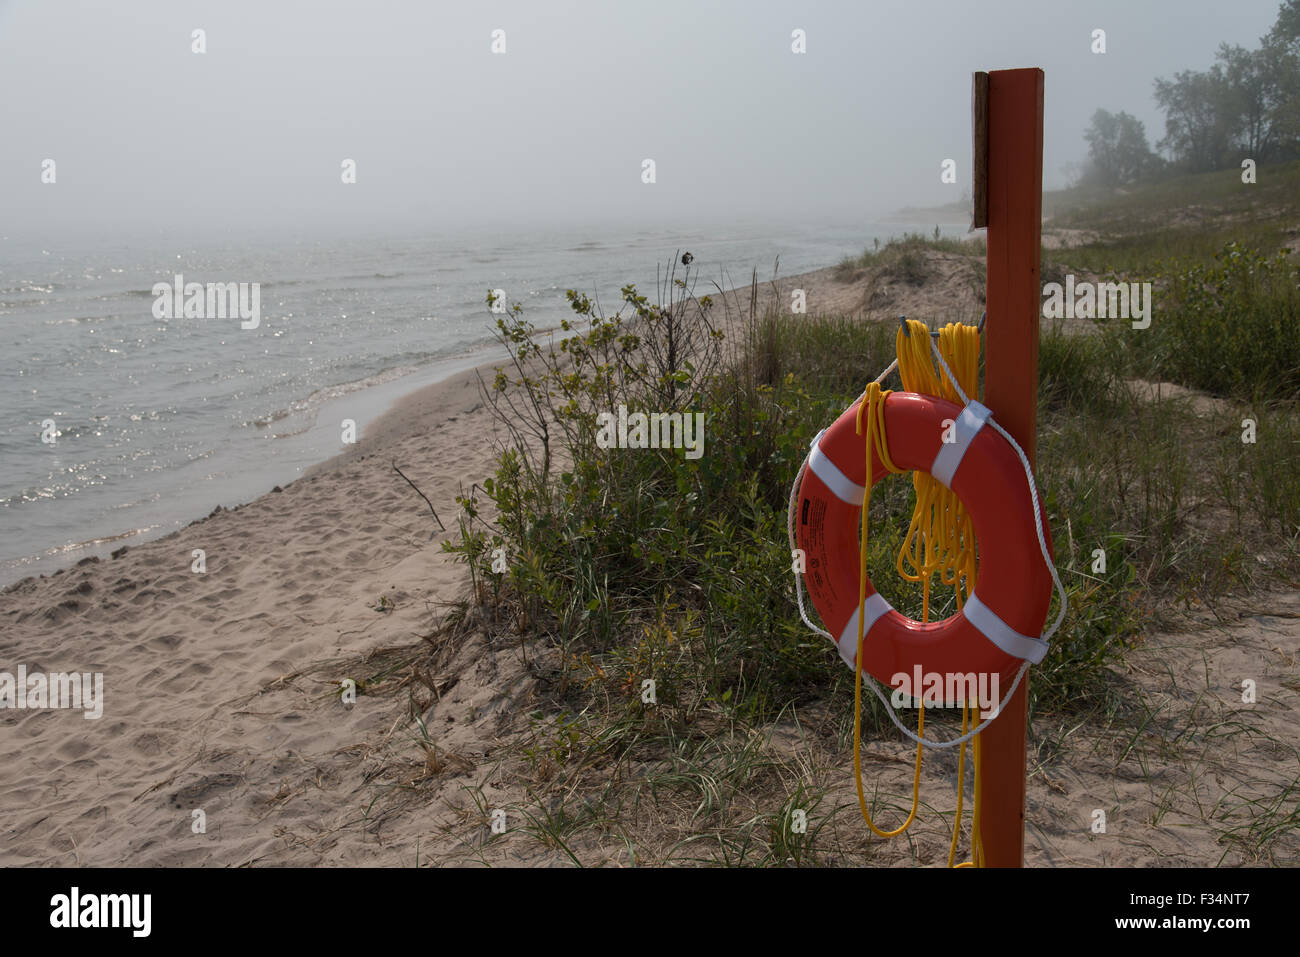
1013	301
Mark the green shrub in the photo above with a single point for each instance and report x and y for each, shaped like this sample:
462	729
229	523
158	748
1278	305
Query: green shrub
1076	371
644	562
1230	327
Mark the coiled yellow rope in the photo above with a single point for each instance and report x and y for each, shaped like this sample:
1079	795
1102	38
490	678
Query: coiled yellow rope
940	538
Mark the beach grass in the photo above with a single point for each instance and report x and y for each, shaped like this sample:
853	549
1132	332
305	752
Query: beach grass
905	258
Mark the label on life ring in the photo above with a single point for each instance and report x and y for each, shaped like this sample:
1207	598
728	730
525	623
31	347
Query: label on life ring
812	528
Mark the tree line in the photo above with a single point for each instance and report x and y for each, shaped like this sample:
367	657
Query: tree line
1245	106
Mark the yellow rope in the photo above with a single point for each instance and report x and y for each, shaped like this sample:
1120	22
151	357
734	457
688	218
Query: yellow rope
873	405
940	538
961	780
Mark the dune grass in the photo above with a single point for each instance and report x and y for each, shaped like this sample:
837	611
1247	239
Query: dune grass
904	258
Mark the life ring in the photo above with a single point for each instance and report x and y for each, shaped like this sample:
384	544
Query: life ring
996	630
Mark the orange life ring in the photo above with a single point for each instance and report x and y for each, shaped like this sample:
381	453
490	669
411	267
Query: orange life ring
997	628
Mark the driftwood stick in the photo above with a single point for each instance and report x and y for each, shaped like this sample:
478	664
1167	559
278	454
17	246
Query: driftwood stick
422	495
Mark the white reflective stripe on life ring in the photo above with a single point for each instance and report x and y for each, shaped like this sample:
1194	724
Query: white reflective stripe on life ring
965	428
843	487
876	607
988	624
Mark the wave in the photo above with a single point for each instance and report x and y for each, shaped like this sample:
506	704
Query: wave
25	286
406	364
57	550
324	394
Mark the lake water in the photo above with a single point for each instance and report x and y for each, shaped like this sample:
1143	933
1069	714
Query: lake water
158	420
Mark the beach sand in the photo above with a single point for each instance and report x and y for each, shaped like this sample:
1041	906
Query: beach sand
222	705
293	580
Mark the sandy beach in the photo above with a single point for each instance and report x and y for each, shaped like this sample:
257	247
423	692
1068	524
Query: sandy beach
293	580
224	740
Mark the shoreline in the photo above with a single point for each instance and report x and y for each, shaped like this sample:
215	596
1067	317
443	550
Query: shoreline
223	644
367	406
286	587
379	423
241	472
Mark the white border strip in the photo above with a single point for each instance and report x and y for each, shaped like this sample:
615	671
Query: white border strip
876	608
966	427
843	487
988	624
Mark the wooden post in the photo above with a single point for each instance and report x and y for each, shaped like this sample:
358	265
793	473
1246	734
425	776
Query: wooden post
1013	301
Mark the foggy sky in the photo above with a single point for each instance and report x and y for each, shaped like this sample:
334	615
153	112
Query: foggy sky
249	137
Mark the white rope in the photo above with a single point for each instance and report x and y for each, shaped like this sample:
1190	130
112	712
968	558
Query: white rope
794	495
1033	494
1042	544
789	515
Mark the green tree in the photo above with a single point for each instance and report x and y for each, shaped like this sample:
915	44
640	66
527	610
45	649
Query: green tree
1281	49
1286	30
1117	149
1199	118
1246	105
1260	92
